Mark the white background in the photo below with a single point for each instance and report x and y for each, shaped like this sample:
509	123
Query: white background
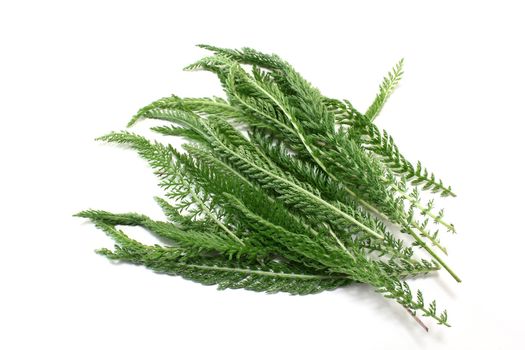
71	71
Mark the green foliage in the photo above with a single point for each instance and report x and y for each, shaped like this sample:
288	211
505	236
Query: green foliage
386	89
271	277
279	188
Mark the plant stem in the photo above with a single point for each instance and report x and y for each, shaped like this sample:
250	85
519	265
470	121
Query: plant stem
424	210
418	320
413	234
332	233
431	252
213	217
425	234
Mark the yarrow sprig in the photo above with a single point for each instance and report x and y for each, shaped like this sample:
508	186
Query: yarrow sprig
278	188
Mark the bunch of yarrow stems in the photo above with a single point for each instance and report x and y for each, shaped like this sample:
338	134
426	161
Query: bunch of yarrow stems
278	188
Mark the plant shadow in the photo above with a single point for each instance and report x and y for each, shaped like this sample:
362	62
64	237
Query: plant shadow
392	312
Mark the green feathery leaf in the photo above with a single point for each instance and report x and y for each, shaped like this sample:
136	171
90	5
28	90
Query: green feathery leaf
278	188
387	87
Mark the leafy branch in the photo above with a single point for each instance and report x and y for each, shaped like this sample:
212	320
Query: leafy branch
278	188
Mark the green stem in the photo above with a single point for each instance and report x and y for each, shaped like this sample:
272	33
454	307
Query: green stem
413	223
332	233
259	272
425	234
424	210
213	217
431	252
